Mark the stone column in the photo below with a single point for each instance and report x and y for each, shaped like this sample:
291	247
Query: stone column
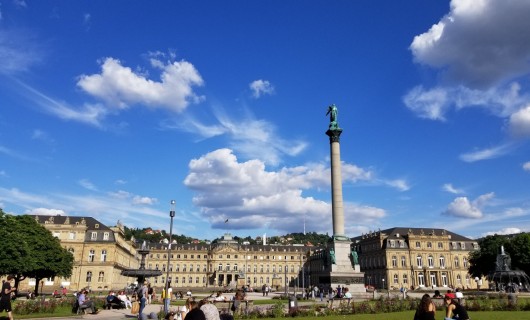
337	205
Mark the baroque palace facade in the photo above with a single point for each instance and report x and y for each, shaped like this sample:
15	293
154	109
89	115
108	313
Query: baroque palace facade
416	257
389	258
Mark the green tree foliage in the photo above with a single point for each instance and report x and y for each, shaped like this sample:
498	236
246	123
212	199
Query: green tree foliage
519	250
29	250
142	235
482	261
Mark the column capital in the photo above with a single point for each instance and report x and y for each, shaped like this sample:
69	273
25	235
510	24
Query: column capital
334	135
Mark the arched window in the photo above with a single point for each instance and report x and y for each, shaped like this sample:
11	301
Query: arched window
91	255
464	262
101	276
442	261
457	262
419	261
396	279
405	279
430	261
421	279
403	261
89	276
394	261
459	279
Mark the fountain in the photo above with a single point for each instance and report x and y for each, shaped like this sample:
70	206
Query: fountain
141	273
505	279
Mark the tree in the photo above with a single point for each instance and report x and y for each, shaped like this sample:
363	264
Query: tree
519	250
482	261
28	249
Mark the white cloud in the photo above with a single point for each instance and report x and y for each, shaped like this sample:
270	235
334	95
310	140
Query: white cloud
250	137
462	207
471	48
138	200
85	183
120	86
3	173
261	87
520	122
435	103
526	166
251	197
504	231
20	3
485	154
46	212
451	189
400	184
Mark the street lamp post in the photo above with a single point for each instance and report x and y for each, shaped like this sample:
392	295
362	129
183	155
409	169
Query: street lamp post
167	299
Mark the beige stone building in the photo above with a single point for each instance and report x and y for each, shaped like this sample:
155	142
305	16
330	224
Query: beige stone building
228	264
100	254
416	257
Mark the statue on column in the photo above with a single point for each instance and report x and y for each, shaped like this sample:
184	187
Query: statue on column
333	113
332	256
354	257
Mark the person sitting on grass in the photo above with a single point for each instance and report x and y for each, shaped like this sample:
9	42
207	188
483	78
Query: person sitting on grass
455	310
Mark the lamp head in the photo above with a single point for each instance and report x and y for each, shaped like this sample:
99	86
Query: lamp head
172	208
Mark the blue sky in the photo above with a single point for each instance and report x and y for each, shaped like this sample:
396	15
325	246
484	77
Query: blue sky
111	109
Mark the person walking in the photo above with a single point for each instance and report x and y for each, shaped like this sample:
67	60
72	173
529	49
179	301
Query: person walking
142	296
5	298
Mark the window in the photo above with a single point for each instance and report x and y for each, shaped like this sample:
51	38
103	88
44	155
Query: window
467	280
442	261
106	236
429	245
457	262
199	268
419	261
392	243
462	245
177	268
292	269
183	279
401	244
403	261
430	261
453	244
394	261
228	267
196	279
235	267
440	245
464	262
444	279
421	279
89	276
405	279
93	236
273	269
396	279
433	279
71	236
190	280
91	255
459	279
220	268
418	244
101	276
103	255
170	267
191	267
228	256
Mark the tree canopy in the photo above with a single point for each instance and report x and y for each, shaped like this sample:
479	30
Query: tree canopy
28	249
482	262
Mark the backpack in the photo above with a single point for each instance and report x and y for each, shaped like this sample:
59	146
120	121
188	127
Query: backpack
139	293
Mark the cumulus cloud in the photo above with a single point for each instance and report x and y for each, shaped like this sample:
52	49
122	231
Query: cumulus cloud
471	48
46	212
462	207
251	197
451	189
504	231
481	63
526	166
261	87
520	122
120	87
139	200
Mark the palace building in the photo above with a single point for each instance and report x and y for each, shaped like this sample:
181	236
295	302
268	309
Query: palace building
391	258
416	257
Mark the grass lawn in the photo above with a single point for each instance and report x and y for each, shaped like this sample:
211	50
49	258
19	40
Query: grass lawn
408	315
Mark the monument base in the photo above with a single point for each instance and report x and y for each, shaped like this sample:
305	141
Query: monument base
343	272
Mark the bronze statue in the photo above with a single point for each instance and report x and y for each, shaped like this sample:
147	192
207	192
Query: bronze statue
333	113
332	256
355	257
